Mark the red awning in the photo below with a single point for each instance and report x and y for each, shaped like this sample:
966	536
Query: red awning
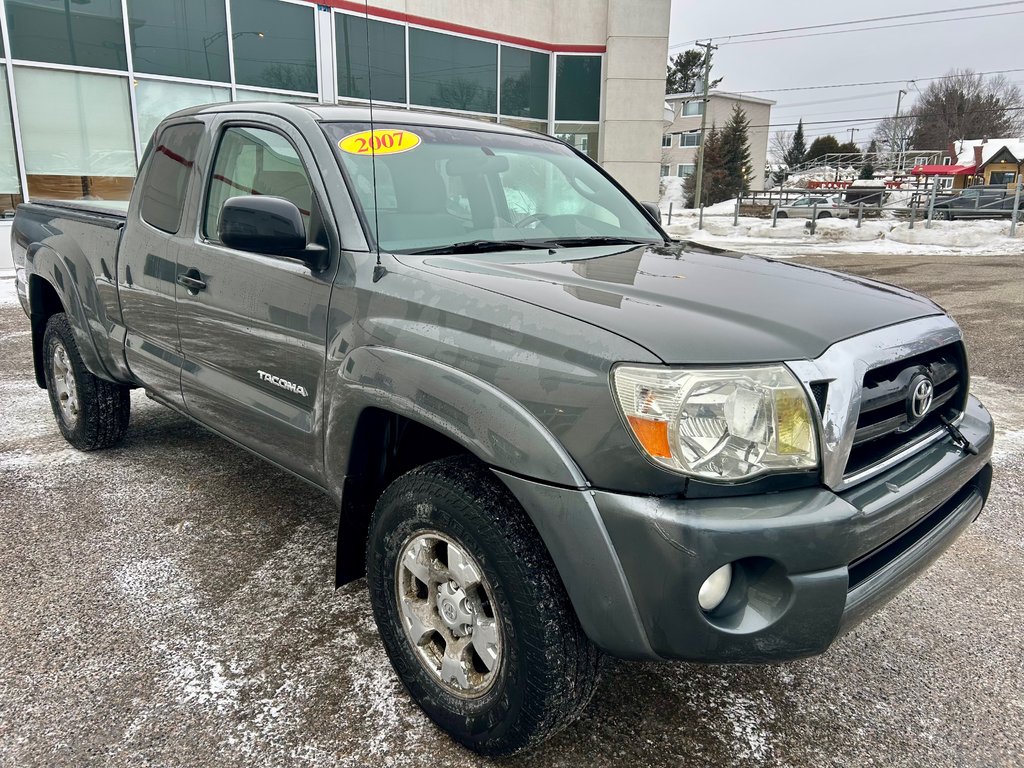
943	170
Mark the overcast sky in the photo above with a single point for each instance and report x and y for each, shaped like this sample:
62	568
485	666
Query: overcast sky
892	53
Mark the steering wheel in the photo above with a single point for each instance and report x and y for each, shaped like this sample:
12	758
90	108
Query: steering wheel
533	218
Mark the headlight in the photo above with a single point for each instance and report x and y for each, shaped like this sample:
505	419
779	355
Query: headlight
723	424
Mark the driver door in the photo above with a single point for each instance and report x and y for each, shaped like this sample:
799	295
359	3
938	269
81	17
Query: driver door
253	328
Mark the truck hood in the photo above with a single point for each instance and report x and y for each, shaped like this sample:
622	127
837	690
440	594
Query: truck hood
686	304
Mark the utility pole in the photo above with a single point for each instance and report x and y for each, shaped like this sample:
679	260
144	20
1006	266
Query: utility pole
698	189
898	130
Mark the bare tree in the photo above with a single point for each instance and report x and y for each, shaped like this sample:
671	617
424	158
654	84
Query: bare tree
966	105
892	137
778	146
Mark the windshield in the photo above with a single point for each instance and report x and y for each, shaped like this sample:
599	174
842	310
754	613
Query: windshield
445	187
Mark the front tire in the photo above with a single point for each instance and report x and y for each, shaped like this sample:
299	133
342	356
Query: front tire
91	413
472	612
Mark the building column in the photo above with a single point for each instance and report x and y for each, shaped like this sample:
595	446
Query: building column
633	96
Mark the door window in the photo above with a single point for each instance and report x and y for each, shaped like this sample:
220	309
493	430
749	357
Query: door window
256	161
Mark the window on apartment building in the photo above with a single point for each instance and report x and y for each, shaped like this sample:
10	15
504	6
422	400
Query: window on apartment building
665	170
452	72
383	61
691	108
666	140
75	33
274	44
524	83
689	140
685	170
187	38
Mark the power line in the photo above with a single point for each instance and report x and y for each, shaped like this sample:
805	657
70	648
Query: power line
872	82
908	116
856	21
883	26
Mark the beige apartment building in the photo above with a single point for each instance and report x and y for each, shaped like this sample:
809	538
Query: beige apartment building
680	141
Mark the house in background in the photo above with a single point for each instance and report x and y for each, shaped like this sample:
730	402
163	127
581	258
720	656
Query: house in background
973	162
682	138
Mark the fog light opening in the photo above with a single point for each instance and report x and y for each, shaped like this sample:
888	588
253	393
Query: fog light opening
715	588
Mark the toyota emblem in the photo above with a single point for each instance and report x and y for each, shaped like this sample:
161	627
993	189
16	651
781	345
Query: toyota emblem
919	398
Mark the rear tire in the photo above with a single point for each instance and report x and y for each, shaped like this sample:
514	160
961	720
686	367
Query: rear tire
824	215
91	413
782	215
451	554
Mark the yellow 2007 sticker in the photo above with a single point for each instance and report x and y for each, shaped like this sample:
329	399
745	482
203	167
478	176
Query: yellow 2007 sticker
382	141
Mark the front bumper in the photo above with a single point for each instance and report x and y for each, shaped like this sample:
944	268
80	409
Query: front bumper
808	564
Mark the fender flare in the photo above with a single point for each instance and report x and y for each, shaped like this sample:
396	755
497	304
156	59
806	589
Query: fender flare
48	266
494	427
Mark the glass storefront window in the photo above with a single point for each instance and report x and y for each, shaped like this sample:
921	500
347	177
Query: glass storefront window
524	83
183	38
383	61
578	88
537	126
275	45
156	99
580	135
10	182
242	94
452	72
64	32
76	132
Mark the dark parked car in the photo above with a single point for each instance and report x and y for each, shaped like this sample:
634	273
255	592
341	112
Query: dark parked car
552	432
977	203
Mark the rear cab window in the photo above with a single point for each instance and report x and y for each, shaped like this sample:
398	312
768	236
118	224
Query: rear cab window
168	172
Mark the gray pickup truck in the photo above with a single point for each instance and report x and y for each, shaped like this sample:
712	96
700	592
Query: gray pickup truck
552	432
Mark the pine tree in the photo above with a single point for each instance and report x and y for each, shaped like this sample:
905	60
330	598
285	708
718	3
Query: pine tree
685	70
867	171
797	150
735	149
714	173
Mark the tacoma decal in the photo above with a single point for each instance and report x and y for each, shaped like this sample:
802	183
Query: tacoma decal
277	381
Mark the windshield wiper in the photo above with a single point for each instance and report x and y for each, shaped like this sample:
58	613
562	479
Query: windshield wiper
480	246
572	242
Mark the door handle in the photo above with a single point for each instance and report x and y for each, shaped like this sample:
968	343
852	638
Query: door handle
191	280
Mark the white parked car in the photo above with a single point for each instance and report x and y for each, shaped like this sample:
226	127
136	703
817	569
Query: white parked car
815	206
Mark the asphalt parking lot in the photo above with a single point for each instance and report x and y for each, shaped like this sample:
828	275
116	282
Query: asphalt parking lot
170	603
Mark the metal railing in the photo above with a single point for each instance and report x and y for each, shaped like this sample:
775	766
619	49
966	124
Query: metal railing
924	205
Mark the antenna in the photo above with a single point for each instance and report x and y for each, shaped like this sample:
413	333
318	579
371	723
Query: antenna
378	271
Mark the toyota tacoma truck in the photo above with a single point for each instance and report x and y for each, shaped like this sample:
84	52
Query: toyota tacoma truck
552	432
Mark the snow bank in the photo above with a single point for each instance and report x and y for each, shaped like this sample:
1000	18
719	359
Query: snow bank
954	234
793	237
672	192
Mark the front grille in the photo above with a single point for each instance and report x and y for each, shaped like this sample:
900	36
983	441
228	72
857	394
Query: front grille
884	426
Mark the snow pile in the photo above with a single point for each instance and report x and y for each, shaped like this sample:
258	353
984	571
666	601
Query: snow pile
672	192
792	237
953	234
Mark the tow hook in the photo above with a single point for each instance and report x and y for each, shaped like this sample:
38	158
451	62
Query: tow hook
959	440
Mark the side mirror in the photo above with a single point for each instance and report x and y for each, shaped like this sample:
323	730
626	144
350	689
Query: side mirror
654	210
263	224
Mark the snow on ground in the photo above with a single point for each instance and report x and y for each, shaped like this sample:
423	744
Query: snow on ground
791	237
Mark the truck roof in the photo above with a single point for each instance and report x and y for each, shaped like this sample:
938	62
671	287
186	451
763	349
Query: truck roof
326	112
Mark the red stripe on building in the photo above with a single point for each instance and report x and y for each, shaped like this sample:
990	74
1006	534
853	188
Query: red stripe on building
462	29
